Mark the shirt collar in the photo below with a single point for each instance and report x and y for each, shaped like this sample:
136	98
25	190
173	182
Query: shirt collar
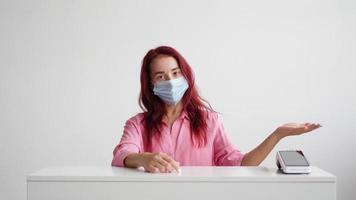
183	115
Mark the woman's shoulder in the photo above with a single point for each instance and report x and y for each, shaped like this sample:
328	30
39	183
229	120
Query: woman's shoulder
136	119
211	113
214	122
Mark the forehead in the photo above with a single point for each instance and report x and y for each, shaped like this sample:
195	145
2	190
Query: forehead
163	63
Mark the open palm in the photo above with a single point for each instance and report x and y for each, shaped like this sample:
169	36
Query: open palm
296	128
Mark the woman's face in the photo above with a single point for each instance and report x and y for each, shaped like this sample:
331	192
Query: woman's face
164	68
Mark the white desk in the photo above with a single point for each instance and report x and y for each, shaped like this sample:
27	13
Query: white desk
206	183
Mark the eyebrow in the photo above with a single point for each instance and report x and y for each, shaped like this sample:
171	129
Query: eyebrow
162	72
175	68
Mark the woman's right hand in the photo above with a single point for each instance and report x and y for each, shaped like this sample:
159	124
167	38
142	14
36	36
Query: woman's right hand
159	163
152	162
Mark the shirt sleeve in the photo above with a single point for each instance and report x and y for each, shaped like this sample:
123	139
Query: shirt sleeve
225	154
131	142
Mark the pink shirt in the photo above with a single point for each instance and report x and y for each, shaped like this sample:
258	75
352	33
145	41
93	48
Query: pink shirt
177	143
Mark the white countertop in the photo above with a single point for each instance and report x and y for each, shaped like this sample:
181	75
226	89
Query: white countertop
187	174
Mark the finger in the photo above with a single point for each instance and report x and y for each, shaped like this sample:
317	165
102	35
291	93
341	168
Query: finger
160	167
170	160
311	126
175	165
158	159
307	124
152	169
166	157
315	126
164	163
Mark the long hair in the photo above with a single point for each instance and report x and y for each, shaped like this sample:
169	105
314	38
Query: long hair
154	108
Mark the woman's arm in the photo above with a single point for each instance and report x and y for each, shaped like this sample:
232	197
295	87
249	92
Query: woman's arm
257	155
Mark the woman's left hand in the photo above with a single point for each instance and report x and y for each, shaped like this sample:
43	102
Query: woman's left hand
295	129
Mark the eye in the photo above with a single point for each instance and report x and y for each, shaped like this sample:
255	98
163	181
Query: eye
160	77
176	73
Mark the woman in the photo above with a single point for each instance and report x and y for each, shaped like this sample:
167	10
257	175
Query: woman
178	127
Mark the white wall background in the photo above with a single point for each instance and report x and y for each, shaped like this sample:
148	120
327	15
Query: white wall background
69	76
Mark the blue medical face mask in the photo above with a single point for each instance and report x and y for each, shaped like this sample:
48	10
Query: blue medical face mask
171	91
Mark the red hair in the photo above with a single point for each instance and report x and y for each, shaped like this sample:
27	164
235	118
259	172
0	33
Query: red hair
154	108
